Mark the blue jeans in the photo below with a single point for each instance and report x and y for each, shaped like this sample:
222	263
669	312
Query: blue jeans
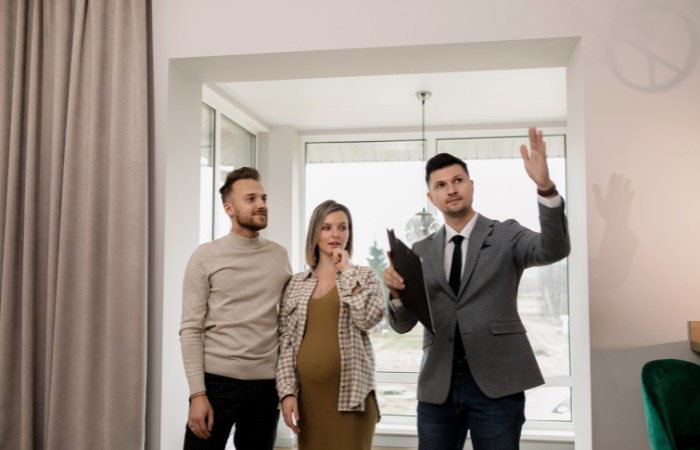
493	423
250	405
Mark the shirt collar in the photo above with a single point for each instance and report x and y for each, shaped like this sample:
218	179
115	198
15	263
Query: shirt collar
466	231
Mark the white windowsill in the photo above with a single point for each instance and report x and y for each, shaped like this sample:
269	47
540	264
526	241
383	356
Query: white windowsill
564	436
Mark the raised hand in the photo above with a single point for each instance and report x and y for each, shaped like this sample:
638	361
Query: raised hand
536	160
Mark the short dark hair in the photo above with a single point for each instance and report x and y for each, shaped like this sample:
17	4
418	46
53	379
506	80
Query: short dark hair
244	173
440	161
320	213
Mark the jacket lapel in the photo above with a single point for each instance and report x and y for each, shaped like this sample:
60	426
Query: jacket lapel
436	259
482	229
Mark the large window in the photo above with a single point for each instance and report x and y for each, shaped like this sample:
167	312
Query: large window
382	183
225	146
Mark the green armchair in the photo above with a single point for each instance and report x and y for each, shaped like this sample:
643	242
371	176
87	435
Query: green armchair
671	395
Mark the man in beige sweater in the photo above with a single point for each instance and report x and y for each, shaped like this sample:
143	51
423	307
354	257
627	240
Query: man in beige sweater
231	292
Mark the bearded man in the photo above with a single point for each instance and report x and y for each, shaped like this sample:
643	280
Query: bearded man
231	292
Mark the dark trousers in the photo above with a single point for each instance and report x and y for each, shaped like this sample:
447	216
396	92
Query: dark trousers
493	423
250	405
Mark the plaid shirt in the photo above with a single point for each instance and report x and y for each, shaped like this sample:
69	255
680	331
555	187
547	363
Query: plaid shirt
359	312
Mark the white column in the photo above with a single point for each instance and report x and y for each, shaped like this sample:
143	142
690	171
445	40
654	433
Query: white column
279	160
280	163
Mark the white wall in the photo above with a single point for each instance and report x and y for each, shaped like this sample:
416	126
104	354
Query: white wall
643	285
180	232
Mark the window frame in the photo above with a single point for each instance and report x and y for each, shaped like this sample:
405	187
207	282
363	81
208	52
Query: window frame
224	105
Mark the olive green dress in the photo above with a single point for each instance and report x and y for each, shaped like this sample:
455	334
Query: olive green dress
322	426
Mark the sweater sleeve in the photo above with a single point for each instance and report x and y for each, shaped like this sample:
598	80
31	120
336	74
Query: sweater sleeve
194	309
362	291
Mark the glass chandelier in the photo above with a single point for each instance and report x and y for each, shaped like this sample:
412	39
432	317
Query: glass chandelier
423	223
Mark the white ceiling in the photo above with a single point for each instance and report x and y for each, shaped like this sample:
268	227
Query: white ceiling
524	96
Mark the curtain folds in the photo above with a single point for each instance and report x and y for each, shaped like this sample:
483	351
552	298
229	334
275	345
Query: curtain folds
73	224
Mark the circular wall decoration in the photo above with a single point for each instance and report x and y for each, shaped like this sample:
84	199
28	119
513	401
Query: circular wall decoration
653	48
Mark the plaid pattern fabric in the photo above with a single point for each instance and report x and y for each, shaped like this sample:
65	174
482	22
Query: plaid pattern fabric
360	311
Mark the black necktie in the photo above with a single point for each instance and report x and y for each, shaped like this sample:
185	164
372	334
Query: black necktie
455	281
456	268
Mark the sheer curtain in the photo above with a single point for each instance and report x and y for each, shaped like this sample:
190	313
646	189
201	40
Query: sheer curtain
73	223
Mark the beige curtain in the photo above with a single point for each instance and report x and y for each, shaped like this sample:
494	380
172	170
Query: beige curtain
73	223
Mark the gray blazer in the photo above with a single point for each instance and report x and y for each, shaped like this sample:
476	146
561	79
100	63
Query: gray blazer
495	344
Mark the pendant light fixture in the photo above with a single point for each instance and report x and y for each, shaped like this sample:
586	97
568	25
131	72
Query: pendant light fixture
422	223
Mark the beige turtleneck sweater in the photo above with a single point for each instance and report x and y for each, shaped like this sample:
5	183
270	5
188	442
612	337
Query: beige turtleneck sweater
231	292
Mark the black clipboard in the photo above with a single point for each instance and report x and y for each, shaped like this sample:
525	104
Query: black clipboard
415	296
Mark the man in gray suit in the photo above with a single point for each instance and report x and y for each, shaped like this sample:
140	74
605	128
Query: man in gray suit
479	362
